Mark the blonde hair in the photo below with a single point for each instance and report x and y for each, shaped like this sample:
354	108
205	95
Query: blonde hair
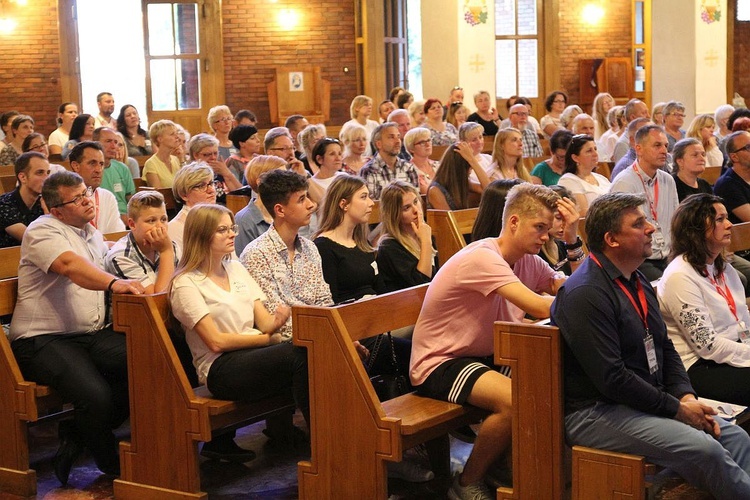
413	109
599	116
159	128
527	200
259	166
190	175
304	138
200	226
414	135
343	188
452	110
358	102
350	132
125	155
391	202
142	200
698	123
498	153
215	112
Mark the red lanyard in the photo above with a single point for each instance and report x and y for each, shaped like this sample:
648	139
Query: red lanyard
726	293
651	203
643	310
95	221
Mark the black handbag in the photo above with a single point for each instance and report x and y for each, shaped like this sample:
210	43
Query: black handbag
387	386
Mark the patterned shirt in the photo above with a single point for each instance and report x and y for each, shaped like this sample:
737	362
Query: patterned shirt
378	175
299	282
14	211
125	260
531	146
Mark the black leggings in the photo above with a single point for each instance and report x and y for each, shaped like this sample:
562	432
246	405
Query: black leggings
721	382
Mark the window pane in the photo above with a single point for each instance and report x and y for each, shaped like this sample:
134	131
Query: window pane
163	85
186	23
743	10
188	74
526	18
639	23
160	34
505	17
505	64
528	71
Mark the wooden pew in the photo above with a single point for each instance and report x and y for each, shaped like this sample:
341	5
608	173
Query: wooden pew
167	416
236	202
534	353
21	403
740	237
438	152
489	144
605	168
7	170
711	174
449	228
353	434
8	183
375	214
169	200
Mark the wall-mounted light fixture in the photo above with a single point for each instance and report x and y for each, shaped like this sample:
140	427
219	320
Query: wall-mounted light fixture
592	13
7	20
288	19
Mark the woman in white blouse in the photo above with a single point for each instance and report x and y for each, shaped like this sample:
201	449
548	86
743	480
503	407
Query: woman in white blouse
581	159
231	334
703	304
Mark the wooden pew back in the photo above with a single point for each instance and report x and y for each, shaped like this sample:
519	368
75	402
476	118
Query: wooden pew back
449	228
534	353
167	416
352	432
740	237
711	174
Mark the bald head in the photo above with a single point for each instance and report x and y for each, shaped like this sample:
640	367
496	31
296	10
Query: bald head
583	124
519	116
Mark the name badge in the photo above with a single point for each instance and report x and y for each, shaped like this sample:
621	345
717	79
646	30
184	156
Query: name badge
375	266
658	237
744	336
653	364
239	286
117	187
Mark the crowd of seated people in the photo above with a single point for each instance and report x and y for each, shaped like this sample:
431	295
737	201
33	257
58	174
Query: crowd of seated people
304	184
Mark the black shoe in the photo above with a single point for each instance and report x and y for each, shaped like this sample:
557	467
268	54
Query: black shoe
227	450
70	449
292	438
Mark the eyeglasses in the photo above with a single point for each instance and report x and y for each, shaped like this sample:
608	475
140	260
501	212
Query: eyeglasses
288	148
226	119
746	147
423	143
37	147
203	186
78	199
678	115
519	113
559	100
224	229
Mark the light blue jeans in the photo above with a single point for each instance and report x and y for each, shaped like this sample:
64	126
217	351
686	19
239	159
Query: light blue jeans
720	466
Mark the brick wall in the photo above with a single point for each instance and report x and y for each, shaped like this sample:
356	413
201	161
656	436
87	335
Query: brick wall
254	45
741	61
30	64
578	40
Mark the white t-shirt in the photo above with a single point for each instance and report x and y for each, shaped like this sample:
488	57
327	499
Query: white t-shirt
576	185
107	218
58	138
195	296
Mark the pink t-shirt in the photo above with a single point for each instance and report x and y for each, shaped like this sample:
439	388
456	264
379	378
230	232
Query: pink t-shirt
461	305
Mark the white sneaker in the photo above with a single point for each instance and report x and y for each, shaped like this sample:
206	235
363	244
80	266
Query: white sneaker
475	491
409	471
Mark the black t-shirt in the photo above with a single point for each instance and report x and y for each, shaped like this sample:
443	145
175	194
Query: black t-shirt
490	128
683	190
349	272
398	266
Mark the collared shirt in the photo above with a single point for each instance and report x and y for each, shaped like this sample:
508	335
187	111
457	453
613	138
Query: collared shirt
13	210
50	303
531	146
118	180
377	174
299	282
251	225
605	353
623	163
630	181
127	261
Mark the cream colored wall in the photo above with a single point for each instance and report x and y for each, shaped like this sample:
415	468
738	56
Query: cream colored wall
710	59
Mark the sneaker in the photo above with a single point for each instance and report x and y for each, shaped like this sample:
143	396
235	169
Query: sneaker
475	491
409	471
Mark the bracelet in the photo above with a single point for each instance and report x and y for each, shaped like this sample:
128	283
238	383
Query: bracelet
575	254
573	246
576	258
109	287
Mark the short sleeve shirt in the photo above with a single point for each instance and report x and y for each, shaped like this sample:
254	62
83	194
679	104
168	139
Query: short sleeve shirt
118	180
125	260
14	211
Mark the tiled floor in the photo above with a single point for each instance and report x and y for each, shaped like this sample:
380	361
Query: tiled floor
272	475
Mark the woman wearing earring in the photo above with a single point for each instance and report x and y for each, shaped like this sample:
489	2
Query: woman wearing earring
580	179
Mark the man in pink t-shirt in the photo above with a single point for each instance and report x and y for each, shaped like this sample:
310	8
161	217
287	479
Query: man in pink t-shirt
492	279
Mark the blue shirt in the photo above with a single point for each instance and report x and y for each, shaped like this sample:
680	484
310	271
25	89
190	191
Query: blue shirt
605	354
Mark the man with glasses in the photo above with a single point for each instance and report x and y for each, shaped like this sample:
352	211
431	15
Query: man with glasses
61	334
87	160
635	108
23	205
733	186
401	118
519	117
674	117
116	178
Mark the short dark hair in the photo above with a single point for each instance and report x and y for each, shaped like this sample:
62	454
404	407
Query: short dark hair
731	138
275	187
50	188
679	149
245	113
241	133
605	216
642	134
403	98
7	117
489	221
560	140
274	134
23	161
630	108
694	216
321	146
378	132
29	138
292	121
576	144
79	126
19	119
100	95
77	152
551	99
737	113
